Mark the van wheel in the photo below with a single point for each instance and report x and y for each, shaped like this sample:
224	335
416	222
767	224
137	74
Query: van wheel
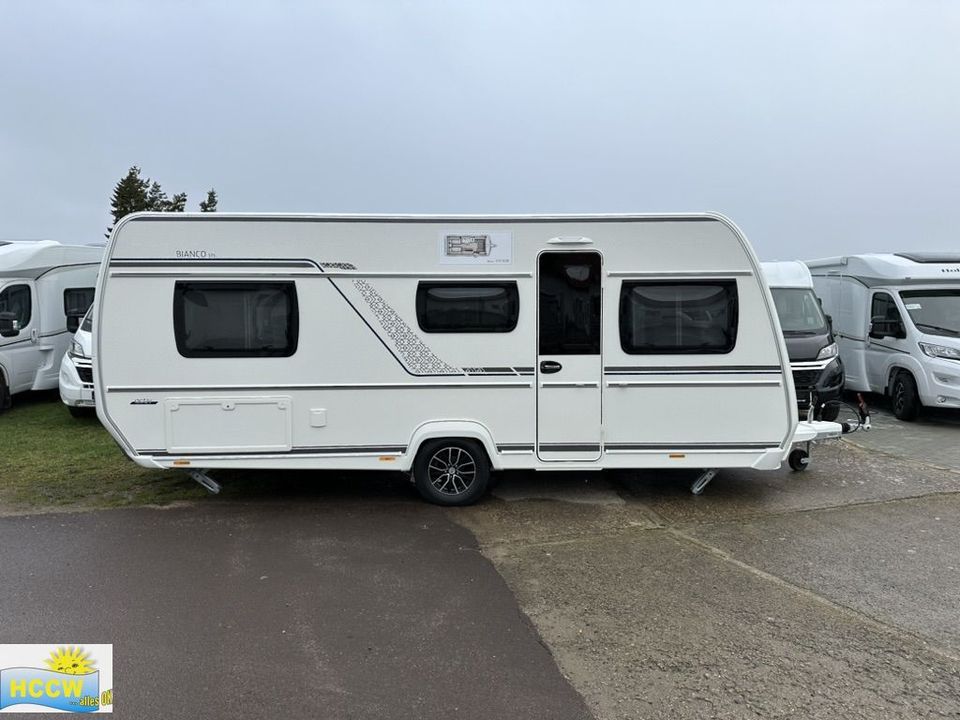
829	412
5	399
906	400
451	472
79	412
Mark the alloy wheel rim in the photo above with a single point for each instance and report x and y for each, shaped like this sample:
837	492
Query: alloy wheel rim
451	470
898	396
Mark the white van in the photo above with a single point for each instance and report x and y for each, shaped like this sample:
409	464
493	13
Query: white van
817	368
897	321
76	370
445	346
45	288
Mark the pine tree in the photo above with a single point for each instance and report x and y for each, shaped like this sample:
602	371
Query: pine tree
157	200
129	196
178	203
210	204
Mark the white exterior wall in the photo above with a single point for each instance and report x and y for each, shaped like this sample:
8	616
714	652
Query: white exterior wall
344	367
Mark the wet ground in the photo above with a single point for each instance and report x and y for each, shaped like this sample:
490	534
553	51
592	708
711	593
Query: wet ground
824	594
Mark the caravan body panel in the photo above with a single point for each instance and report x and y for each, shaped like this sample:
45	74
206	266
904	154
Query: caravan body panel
572	351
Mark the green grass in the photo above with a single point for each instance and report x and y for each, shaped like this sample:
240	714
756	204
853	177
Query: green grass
49	459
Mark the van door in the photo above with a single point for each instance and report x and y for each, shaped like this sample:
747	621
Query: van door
21	350
569	362
882	342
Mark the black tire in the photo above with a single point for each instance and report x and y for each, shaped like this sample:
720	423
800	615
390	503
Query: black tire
904	397
451	471
798	459
829	412
5	400
79	412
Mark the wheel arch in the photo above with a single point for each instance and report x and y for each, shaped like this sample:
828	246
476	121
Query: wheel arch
452	429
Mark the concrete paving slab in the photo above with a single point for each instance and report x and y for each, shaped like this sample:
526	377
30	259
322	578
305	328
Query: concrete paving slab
933	438
315	609
649	625
898	562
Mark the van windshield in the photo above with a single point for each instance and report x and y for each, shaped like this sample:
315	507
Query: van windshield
799	311
936	312
87	324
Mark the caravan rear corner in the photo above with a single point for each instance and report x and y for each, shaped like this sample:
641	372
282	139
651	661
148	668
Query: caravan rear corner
445	346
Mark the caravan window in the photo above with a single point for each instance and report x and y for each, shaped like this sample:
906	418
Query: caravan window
235	319
76	301
678	317
481	307
16	299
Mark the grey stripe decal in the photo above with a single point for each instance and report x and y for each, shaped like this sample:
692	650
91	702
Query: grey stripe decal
372	386
211	262
692	370
450	219
571	447
701	446
514	447
321	450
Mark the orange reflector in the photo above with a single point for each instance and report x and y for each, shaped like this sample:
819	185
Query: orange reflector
181	462
387	458
677	456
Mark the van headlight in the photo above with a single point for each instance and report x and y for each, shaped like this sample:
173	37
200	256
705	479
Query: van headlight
75	350
830	351
940	351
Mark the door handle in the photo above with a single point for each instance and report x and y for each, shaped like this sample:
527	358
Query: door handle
550	366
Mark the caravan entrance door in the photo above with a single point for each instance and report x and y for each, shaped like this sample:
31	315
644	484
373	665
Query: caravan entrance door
569	364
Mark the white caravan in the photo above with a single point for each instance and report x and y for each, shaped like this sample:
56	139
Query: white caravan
443	346
76	370
817	368
897	321
45	288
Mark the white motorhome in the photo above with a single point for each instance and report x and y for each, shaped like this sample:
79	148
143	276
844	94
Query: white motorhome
445	346
76	370
45	288
897	321
817	368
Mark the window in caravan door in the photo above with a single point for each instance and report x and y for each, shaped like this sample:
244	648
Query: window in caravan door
235	319
445	307
678	317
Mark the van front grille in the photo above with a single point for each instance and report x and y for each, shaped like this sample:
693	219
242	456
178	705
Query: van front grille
805	378
86	375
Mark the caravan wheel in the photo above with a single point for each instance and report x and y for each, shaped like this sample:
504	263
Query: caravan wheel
451	472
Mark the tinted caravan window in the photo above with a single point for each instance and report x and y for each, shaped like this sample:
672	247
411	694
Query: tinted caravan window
678	317
76	301
235	319
444	307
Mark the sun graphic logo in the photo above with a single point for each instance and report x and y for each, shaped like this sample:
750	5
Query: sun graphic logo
68	678
70	660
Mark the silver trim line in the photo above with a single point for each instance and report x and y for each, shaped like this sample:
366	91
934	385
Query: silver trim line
321	386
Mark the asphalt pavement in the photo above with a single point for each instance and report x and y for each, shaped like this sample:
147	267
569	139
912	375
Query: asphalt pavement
323	607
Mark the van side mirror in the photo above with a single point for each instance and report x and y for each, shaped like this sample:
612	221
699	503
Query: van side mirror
881	328
73	320
829	321
8	324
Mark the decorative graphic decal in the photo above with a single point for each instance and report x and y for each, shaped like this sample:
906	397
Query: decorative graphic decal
76	679
472	248
415	353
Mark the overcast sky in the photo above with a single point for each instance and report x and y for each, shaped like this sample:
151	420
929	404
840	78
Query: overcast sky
820	128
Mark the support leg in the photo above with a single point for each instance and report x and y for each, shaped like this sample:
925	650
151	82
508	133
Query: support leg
205	480
703	480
